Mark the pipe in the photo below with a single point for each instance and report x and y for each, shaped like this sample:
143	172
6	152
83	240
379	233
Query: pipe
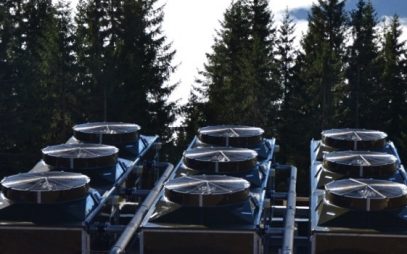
288	240
117	185
102	203
124	239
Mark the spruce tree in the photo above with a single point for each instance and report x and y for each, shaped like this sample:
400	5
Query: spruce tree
63	91
323	70
37	74
288	114
91	40
6	106
194	114
27	37
222	75
260	74
144	66
243	63
11	49
393	106
363	70
124	63
286	56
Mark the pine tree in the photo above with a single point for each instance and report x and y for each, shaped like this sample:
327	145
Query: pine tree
144	66
6	106
222	75
286	56
242	63
63	91
394	85
363	70
288	114
36	75
324	51
91	40
260	69
194	115
125	62
28	35
12	37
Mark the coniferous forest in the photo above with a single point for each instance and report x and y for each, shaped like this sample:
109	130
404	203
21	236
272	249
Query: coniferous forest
110	60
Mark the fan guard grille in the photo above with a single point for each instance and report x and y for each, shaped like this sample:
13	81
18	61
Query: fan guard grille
220	159
110	133
354	139
231	135
366	194
45	187
207	190
80	156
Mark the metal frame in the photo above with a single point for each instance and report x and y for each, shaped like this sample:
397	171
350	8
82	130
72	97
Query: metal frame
316	196
284	239
90	224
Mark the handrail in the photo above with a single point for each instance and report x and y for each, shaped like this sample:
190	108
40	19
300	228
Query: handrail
124	239
288	239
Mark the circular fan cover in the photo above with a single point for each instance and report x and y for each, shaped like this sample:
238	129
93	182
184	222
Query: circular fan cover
231	135
366	194
354	139
110	133
80	156
220	159
361	163
207	190
46	187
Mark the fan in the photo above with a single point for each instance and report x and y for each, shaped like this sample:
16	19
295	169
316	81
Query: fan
46	187
110	133
207	190
366	194
220	159
231	135
360	163
80	156
354	139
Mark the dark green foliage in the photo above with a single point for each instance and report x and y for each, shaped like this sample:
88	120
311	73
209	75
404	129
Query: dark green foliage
324	52
222	76
7	99
144	58
286	57
393	106
313	85
62	90
363	70
114	65
286	69
194	114
94	57
125	63
28	36
260	70
240	78
293	110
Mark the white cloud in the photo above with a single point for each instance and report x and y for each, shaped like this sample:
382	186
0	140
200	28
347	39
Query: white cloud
279	5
